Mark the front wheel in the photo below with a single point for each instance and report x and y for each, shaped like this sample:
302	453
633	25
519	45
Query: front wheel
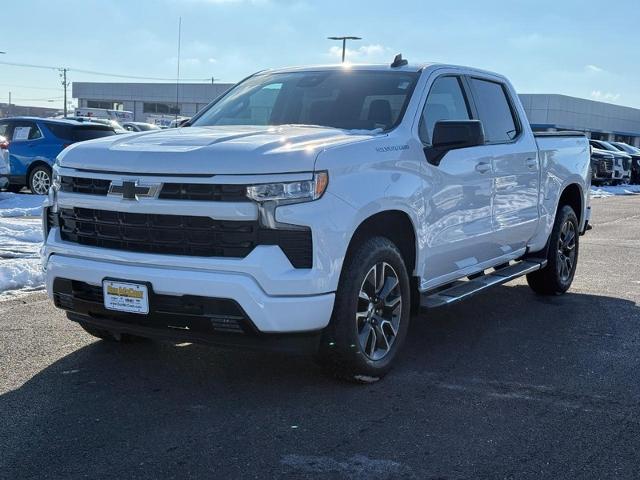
562	256
40	180
370	315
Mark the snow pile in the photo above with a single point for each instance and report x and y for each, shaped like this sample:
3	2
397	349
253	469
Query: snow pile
20	205
20	241
610	191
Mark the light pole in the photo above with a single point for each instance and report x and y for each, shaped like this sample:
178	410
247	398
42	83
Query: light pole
344	43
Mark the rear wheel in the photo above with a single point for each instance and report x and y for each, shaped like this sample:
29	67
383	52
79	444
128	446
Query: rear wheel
40	180
562	256
371	313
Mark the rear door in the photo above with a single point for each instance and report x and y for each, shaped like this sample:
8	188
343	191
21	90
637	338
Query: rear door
513	154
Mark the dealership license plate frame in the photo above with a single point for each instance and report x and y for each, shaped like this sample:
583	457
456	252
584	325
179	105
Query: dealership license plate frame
124	304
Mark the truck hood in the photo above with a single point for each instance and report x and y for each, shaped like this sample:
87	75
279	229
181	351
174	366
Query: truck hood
210	150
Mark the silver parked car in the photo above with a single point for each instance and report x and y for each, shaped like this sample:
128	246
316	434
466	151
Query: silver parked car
139	126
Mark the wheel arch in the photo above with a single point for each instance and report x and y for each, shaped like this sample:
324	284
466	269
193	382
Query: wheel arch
33	165
572	196
397	226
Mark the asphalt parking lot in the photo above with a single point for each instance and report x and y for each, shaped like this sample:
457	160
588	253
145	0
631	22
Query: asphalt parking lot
506	385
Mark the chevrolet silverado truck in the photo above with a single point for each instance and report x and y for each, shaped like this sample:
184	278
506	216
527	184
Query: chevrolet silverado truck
316	208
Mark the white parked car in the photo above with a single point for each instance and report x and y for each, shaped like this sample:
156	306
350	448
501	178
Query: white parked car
4	162
316	208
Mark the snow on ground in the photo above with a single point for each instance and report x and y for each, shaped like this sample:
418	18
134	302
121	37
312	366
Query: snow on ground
20	241
20	205
610	191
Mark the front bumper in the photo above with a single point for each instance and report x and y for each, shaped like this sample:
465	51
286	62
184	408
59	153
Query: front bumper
264	313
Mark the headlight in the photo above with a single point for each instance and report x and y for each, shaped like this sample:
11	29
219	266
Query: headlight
55	180
290	192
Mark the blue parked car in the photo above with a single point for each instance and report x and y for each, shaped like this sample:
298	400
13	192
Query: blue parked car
34	144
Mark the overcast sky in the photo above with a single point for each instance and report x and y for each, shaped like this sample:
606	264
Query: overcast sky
583	48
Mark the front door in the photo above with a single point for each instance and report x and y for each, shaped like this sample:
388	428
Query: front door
459	191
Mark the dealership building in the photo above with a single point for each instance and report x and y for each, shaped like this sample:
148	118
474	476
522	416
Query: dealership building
148	100
546	112
601	121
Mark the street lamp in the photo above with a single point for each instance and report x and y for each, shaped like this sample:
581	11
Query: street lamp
344	43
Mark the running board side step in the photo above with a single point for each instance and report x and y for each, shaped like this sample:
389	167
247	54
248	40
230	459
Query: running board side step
464	289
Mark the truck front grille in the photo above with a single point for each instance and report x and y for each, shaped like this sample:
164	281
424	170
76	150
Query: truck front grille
88	186
605	166
203	191
180	235
170	191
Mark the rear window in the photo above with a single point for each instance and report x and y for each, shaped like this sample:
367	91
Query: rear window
79	133
494	110
88	133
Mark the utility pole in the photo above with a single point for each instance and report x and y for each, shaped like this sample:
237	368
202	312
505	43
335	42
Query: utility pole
344	43
65	84
9	107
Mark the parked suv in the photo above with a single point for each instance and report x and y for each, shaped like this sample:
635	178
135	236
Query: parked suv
622	161
316	207
634	152
35	143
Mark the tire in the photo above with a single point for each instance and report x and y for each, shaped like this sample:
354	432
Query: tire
40	180
367	329
562	256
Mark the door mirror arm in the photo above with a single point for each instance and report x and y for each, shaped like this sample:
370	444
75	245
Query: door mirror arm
452	135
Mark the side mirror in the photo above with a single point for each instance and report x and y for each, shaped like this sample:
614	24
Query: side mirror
451	135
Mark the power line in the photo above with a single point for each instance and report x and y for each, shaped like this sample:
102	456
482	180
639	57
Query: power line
15	85
104	74
48	99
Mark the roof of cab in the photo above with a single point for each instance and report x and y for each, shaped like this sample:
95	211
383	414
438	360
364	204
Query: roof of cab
411	67
351	66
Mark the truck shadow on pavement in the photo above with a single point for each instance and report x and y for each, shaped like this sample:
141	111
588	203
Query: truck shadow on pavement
158	410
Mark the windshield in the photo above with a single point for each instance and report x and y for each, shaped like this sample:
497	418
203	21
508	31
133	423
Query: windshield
626	148
363	100
604	146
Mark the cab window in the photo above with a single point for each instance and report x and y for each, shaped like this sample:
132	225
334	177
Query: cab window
494	111
446	101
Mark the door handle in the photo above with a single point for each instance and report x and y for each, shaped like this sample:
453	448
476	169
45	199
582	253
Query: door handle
483	167
531	162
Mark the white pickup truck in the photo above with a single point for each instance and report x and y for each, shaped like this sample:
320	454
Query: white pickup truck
316	208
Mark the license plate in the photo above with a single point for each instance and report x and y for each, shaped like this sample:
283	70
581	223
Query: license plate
126	297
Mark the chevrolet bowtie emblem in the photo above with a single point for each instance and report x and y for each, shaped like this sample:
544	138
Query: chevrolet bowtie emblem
132	190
